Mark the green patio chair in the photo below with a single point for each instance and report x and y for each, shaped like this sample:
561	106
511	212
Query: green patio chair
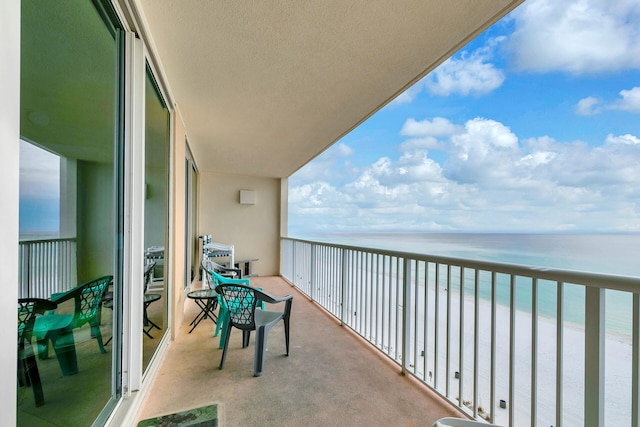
28	375
223	312
241	301
58	327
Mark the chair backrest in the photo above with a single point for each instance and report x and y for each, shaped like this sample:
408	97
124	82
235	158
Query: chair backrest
148	274
241	302
28	310
88	297
219	279
208	265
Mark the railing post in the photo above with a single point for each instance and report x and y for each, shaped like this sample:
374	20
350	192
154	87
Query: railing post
559	351
406	318
476	341
448	335
512	350
436	327
26	265
312	279
494	323
343	280
594	357
293	262
461	375
635	366
534	353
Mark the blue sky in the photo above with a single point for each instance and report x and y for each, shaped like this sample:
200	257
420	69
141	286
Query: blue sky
39	190
532	127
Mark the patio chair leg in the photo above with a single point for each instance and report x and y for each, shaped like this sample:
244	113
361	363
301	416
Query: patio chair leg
225	326
286	334
246	336
223	319
226	346
65	349
43	348
33	379
261	345
95	332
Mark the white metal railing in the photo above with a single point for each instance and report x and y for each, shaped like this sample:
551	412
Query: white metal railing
510	344
46	266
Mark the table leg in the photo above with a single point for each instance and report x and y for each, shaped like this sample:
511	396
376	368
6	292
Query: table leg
206	310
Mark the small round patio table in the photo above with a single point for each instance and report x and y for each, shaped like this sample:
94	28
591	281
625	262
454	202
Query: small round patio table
207	300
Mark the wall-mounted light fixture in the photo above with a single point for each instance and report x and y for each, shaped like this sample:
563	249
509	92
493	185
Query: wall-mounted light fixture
247	197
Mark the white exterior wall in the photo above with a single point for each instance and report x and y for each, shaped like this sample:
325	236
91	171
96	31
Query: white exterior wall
254	230
9	175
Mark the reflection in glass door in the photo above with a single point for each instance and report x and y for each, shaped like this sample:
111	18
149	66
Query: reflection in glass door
192	258
156	214
68	213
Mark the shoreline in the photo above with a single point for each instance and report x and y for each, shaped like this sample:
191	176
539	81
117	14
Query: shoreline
617	358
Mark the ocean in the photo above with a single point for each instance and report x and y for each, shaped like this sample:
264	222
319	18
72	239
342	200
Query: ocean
617	254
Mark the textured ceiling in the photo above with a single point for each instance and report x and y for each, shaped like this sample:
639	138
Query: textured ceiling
264	87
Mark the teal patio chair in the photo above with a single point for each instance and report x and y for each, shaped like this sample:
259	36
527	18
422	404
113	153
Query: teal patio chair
241	301
223	312
28	375
58	327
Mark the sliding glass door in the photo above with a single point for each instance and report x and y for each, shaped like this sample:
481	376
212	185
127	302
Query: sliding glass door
70	212
156	216
192	257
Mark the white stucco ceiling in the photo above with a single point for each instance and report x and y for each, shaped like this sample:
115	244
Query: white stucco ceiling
264	87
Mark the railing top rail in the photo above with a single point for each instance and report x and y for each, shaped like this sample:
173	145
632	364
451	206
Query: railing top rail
53	239
599	280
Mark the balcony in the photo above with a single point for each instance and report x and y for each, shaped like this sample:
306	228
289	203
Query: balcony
332	376
521	345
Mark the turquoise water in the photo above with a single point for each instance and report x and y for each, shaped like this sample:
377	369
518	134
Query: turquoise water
598	253
617	254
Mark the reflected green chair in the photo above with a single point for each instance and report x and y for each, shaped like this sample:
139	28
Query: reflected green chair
28	375
241	302
58	327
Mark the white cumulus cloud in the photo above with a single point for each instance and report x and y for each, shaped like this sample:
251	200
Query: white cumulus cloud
583	36
490	180
623	139
332	163
588	106
468	74
439	126
629	100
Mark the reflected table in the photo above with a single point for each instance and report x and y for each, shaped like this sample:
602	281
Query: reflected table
207	300
148	324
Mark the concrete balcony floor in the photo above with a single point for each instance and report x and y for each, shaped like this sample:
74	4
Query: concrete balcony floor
331	378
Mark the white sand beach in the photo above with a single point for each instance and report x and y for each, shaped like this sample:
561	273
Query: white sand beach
617	371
